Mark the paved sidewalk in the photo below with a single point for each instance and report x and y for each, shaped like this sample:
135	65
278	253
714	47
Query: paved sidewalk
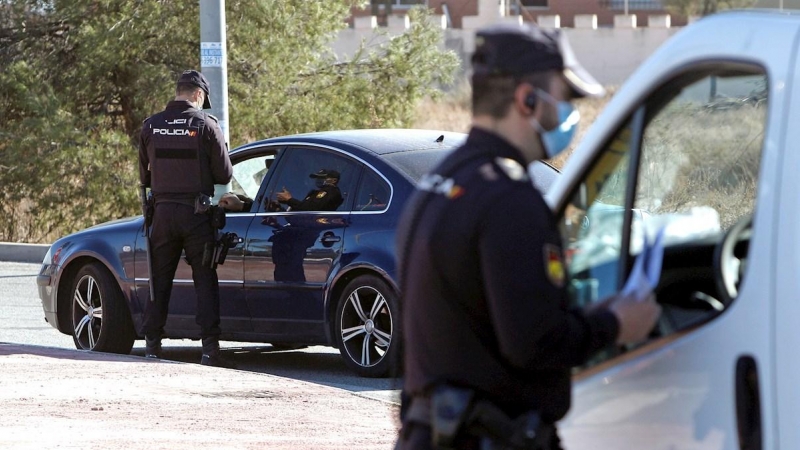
70	399
23	253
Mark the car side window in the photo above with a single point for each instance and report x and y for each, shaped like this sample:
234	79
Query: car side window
592	224
373	193
249	173
700	157
293	175
686	164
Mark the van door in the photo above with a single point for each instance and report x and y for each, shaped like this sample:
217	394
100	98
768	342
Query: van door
686	163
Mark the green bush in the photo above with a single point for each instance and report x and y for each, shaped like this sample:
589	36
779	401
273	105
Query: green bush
81	75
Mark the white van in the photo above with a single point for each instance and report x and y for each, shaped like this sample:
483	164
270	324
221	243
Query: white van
703	141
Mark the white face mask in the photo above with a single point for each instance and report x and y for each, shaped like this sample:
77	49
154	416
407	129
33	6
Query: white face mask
199	103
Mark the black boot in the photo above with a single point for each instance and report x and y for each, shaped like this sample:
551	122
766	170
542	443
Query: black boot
152	347
212	355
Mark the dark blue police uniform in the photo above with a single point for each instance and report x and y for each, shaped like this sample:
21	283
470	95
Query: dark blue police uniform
484	301
326	198
182	154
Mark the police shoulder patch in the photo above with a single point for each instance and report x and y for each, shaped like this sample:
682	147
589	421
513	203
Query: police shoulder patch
487	172
513	170
553	265
321	194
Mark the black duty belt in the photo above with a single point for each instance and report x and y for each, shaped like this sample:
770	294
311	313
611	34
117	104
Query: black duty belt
452	411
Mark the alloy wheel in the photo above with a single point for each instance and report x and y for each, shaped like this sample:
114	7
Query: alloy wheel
366	326
87	312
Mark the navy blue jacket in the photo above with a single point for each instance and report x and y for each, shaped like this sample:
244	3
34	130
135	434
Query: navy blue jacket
482	282
182	153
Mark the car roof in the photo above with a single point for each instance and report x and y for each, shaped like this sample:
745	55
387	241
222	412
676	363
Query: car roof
396	147
380	141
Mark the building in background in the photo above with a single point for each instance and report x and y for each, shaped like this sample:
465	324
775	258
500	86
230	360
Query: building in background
530	10
609	43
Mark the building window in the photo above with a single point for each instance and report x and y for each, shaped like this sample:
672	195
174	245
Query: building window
387	5
534	3
649	5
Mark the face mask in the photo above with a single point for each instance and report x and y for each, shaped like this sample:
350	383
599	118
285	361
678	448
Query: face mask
557	139
199	103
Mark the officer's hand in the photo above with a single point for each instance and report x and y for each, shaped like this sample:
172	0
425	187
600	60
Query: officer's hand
284	195
231	202
636	317
274	206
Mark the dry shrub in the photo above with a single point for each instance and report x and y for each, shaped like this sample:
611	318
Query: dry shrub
451	112
448	112
696	154
700	156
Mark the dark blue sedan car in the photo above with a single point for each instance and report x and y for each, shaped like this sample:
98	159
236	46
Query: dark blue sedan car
298	277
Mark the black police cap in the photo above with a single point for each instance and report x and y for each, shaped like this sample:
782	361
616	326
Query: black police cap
195	78
509	49
325	173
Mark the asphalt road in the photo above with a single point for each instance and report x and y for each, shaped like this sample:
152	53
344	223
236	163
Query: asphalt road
22	322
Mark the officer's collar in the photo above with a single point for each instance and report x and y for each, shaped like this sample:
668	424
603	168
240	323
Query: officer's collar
487	141
180	104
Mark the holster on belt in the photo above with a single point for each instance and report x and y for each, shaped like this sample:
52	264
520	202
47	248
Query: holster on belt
451	411
217	217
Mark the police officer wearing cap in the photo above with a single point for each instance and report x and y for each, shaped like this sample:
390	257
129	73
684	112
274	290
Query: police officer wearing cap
489	340
182	155
326	197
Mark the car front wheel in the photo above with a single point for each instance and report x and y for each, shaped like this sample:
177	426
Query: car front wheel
101	320
368	327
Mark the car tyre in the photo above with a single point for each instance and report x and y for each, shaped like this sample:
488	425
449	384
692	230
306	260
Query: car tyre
368	327
101	320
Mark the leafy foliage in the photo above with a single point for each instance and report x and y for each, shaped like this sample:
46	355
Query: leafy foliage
80	76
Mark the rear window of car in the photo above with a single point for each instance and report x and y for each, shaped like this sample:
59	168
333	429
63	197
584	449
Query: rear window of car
418	162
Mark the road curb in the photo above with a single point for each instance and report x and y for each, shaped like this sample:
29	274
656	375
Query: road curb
22	253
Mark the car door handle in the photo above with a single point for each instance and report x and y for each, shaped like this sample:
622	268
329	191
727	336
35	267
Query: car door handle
748	404
329	238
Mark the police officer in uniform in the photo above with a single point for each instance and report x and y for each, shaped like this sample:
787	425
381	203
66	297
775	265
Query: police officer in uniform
182	154
488	338
326	196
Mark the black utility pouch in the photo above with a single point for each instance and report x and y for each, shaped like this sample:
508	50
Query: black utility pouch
449	409
208	254
202	203
217	217
149	210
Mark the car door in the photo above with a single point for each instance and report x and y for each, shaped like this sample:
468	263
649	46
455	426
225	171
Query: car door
292	253
688	161
250	170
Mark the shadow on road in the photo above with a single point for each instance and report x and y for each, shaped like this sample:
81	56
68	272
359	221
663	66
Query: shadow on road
319	365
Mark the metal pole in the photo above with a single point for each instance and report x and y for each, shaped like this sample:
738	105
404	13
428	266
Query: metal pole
214	58
626	7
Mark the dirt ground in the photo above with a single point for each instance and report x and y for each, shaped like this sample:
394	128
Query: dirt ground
56	398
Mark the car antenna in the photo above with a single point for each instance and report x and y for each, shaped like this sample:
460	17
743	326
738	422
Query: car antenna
440	138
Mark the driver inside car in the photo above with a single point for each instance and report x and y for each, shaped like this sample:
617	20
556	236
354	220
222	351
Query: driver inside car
326	196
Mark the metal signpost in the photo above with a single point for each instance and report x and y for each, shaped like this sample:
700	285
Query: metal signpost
214	58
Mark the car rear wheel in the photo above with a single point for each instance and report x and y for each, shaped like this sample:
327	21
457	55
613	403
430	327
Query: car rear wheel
368	327
101	320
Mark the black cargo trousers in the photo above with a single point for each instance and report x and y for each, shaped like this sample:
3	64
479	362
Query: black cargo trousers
177	228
